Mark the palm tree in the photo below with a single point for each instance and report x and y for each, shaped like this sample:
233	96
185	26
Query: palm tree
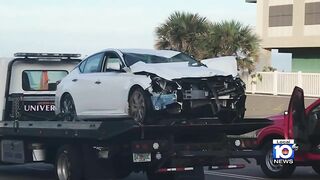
232	38
195	35
181	32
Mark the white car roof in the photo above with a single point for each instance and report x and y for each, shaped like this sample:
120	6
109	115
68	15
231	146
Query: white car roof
163	53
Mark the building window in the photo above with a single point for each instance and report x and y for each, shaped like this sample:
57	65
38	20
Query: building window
312	13
280	15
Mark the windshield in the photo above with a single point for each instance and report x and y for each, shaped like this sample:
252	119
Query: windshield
132	58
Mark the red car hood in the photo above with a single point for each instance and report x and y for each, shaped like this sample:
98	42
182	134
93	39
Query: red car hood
278	123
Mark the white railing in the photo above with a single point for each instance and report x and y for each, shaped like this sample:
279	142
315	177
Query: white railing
282	83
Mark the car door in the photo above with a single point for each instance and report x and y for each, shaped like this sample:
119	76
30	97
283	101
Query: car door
114	86
297	124
313	118
84	85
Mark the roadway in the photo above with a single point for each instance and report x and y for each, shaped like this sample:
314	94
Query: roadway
250	172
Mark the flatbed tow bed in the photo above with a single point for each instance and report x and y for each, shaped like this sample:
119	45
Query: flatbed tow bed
109	129
178	141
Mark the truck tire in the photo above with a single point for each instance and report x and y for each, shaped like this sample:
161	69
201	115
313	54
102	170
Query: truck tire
316	168
69	164
140	106
270	169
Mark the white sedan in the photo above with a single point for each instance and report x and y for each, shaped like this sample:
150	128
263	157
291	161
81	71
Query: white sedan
149	84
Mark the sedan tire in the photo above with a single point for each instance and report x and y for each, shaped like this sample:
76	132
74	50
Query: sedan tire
140	106
68	109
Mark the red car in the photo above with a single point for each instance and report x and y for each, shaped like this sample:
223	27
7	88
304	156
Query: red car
298	123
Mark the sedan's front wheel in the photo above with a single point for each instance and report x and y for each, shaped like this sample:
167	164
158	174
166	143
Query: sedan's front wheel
139	106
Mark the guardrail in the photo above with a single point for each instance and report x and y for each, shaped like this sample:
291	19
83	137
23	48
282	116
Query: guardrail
282	83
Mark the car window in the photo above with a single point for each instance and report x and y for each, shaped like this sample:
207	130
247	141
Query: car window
112	62
316	109
315	112
132	58
41	80
93	63
313	118
81	66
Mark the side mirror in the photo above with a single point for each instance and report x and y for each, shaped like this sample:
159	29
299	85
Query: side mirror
126	69
114	66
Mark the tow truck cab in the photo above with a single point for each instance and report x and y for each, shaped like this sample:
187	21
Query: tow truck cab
30	81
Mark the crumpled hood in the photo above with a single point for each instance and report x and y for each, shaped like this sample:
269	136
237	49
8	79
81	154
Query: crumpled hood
177	70
228	64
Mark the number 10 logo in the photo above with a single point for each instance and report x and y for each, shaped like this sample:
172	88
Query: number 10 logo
283	151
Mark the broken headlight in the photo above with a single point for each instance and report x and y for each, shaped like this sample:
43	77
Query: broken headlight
164	95
159	83
163	86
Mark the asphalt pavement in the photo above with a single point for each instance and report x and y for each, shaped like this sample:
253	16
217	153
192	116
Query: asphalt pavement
257	106
267	105
250	172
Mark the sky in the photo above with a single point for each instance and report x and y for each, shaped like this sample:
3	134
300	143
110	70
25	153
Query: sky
88	26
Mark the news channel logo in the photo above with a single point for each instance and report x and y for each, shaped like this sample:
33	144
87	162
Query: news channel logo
283	151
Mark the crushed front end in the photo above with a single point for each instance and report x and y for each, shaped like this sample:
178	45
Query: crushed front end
222	97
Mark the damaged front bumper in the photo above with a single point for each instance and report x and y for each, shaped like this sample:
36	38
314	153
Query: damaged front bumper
161	101
219	96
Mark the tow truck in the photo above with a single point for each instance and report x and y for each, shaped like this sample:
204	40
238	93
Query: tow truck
95	149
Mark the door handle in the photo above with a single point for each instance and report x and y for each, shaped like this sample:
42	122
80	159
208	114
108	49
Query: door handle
97	82
74	80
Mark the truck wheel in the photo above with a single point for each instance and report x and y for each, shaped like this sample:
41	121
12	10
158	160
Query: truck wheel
316	168
69	163
271	169
68	109
139	106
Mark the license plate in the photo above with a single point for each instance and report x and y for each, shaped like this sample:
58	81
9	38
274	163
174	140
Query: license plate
141	157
